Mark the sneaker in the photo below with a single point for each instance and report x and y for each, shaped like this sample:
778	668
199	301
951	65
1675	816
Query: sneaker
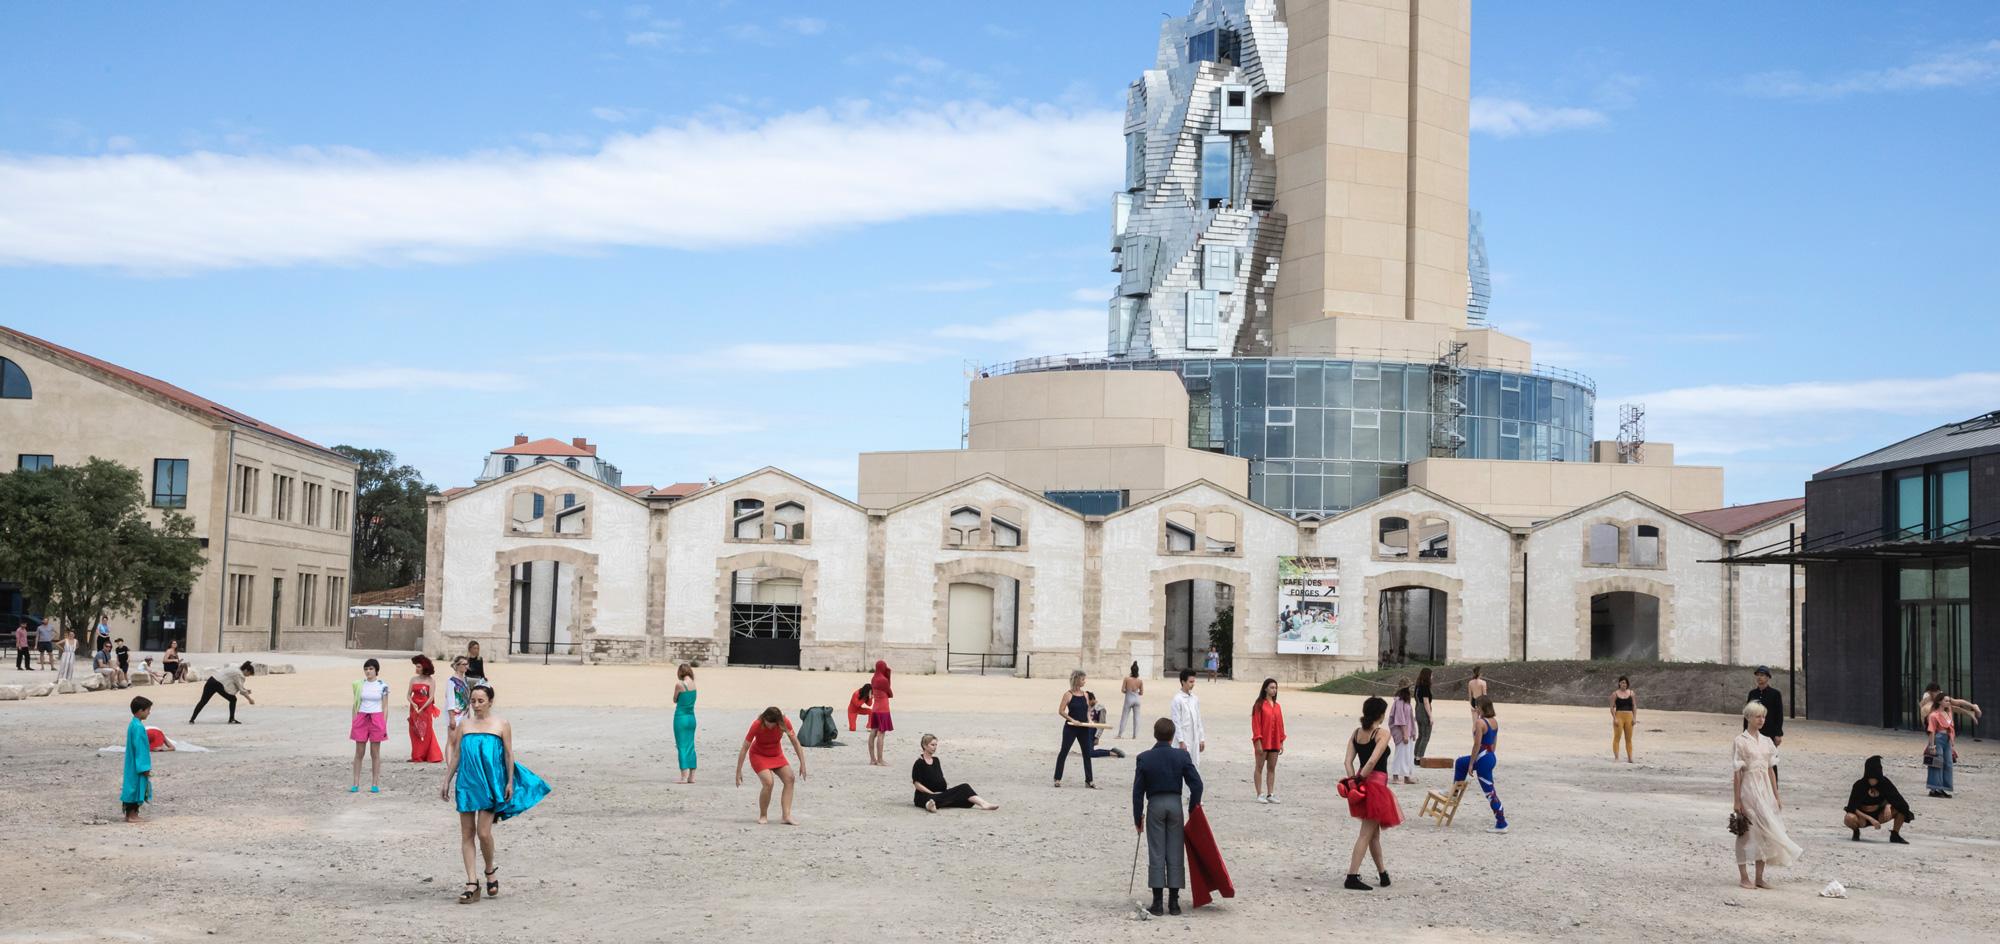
1500	827
1263	799
1384	876
1273	798
1898	839
1355	882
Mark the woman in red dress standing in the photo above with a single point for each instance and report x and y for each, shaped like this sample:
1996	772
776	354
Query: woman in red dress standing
879	722
424	748
767	757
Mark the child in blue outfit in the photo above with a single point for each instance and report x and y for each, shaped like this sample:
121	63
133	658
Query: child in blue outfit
138	761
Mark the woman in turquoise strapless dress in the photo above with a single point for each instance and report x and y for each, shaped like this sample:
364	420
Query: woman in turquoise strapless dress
684	721
490	787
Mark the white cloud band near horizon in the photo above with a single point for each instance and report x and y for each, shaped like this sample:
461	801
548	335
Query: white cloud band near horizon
1976	64
1735	419
1508	117
695	185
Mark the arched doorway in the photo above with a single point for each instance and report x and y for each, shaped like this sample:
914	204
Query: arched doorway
1410	625
1625	626
1199	613
766	616
541	607
981	605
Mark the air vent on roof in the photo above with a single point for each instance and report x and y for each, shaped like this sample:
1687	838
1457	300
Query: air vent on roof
1977	423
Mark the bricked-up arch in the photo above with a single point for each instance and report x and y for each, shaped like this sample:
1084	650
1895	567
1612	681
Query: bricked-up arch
952	571
582	562
1630	583
1371	601
1156	626
725	576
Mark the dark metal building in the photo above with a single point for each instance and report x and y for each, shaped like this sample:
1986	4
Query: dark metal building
1902	557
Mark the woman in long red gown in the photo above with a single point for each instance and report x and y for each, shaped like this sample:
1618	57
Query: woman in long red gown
424	748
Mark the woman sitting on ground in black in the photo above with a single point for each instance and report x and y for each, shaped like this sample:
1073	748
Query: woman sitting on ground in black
927	778
1874	801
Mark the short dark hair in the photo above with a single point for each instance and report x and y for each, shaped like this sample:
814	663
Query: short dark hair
1623	678
1372	710
488	689
247	668
140	703
372	664
1187	674
1163	730
772	715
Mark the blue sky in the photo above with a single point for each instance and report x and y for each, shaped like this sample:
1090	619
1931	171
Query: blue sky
715	236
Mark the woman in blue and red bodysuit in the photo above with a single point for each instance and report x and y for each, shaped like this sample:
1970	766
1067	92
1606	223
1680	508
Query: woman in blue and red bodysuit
1485	742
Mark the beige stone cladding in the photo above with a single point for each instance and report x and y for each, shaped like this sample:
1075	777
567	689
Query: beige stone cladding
1761	596
1475	573
82	407
1138	566
830	562
1563	580
1522	493
962	535
591	534
888	479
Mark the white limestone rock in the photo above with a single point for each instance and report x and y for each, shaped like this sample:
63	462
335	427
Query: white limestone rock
13	692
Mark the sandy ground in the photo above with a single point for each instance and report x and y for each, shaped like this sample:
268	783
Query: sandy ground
261	841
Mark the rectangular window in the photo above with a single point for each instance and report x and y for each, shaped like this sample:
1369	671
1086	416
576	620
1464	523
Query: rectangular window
1121	216
1137	255
1215	169
339	510
32	463
1218	268
170	483
1135	161
1232	108
1201	47
242	599
246	490
307	584
1951	493
336	601
1203	329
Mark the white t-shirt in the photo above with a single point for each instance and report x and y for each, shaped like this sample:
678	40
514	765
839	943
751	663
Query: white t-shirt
372	694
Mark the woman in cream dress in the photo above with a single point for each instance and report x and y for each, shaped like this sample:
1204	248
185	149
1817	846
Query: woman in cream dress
1756	793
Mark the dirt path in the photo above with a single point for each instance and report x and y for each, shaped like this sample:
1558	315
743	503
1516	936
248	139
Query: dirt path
260	840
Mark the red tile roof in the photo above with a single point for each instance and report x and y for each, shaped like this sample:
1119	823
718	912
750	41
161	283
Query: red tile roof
1736	519
154	385
637	491
547	447
680	489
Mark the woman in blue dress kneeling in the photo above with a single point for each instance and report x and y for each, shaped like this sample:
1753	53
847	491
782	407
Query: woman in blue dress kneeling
490	786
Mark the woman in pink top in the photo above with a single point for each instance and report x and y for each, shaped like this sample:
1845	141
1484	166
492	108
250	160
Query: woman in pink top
1943	752
1267	741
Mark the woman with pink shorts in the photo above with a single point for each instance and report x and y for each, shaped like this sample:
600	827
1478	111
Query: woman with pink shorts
370	724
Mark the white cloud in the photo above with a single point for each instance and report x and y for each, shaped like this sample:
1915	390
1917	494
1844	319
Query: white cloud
1733	419
1973	65
1043	331
657	420
613	114
794	358
391	378
694	185
1509	117
804	25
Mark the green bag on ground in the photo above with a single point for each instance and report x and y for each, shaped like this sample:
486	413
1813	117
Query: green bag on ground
816	727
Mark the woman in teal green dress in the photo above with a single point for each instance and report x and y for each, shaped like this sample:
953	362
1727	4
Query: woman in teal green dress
138	787
490	787
684	721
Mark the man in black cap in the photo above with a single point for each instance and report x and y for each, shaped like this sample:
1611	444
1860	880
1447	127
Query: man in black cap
1774	707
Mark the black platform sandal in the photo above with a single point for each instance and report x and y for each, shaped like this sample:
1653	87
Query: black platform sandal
492	884
471	894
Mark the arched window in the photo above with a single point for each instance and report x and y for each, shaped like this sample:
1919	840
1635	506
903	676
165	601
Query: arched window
963	529
1603	545
1433	537
14	382
1392	537
1645	546
1006	523
788	521
1220	531
509	464
748	521
574	518
525	513
1181	528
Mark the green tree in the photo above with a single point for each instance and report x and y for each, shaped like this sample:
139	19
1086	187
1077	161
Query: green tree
79	540
389	520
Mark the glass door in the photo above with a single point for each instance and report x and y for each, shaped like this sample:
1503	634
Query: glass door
1935	621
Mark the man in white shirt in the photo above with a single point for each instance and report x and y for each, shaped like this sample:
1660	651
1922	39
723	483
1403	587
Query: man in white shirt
1186	715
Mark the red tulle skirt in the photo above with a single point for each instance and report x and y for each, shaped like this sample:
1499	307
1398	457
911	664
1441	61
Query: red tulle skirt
1379	805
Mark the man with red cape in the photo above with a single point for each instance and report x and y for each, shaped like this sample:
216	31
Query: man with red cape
1158	776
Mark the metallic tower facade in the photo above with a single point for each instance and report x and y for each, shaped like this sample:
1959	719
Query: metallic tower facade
1478	278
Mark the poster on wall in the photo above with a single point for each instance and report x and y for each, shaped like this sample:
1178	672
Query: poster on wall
1308	605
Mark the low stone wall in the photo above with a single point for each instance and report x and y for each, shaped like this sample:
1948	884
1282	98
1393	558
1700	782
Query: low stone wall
616	650
694	651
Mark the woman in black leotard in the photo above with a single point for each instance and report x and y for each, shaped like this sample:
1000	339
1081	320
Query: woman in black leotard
1074	709
927	777
1624	713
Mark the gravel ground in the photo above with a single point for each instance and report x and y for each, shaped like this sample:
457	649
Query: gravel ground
259	840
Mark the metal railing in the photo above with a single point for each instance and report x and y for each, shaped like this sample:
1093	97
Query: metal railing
982	660
547	647
1105	360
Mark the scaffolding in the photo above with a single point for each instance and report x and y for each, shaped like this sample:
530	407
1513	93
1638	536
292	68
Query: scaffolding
1448	401
1631	433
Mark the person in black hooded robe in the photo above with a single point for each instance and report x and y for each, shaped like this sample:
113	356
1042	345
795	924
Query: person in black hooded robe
1875	802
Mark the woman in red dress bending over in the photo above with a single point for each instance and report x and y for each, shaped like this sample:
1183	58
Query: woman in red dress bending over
424	748
767	757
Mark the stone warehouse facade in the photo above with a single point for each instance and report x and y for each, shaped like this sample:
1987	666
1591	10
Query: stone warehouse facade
983	575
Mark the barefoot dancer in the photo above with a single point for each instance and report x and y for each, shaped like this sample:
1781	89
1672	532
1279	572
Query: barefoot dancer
766	750
368	727
1755	788
927	777
491	787
879	722
684	695
1267	741
138	787
1369	798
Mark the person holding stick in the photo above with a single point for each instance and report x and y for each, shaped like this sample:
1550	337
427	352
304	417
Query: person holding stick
1158	776
1074	710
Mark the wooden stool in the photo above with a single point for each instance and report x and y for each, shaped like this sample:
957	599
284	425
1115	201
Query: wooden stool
1442	807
